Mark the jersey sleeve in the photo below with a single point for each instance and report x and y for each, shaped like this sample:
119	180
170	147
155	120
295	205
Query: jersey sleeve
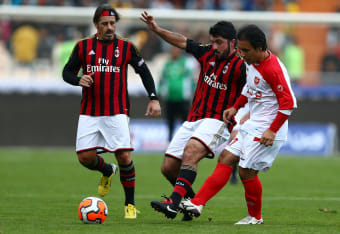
72	67
138	63
136	60
197	49
240	102
278	81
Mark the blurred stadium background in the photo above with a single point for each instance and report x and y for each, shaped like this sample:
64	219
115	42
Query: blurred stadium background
36	37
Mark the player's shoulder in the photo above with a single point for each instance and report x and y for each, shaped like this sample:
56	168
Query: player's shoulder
272	68
86	39
236	58
124	39
274	64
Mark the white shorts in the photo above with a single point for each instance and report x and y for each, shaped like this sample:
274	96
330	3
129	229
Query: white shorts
210	132
252	154
103	133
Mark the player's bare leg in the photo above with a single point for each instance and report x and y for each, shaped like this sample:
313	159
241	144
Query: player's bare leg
170	169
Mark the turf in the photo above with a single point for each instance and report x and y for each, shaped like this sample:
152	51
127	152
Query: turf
41	190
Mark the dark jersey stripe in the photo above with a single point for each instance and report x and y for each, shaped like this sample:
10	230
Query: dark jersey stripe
82	49
126	101
107	81
216	92
102	83
122	80
112	76
118	62
92	88
227	102
96	82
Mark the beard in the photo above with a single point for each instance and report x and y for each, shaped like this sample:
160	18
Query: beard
222	55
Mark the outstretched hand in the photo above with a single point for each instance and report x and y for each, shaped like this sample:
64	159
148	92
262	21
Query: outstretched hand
149	20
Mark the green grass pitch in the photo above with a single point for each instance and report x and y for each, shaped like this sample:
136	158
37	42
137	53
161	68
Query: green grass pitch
40	191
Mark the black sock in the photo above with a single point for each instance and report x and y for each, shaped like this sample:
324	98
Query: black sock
103	167
127	179
190	193
172	181
185	179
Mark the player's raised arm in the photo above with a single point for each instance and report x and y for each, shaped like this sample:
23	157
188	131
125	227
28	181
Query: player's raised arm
172	38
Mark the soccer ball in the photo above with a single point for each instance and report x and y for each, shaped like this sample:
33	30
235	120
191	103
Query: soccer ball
92	210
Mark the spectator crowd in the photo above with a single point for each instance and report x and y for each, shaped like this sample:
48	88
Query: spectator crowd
31	44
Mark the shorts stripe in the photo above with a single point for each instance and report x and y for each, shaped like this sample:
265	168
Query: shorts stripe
217	136
172	156
104	149
206	146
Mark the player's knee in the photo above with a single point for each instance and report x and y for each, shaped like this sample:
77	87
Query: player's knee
228	158
188	152
123	157
87	159
246	173
192	155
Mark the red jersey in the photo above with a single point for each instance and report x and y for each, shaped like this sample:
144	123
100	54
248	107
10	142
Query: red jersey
108	60
219	85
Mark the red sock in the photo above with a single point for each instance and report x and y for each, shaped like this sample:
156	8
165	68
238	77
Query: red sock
253	194
213	184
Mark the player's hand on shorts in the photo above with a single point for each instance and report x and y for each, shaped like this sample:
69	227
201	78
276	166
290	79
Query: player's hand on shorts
153	109
228	113
149	20
268	137
86	80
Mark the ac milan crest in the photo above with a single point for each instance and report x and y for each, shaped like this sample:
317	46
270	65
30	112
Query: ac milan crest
117	52
256	80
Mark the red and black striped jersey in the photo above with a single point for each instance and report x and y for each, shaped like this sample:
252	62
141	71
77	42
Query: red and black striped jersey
219	85
108	62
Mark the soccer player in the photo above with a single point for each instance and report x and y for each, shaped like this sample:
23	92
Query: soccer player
220	82
105	107
271	101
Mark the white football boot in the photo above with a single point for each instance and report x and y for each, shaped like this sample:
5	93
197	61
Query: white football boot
191	209
249	220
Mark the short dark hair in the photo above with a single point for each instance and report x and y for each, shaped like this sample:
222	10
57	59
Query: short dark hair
254	35
224	29
104	7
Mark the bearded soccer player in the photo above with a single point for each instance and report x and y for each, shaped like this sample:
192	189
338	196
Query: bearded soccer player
271	101
105	107
220	83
